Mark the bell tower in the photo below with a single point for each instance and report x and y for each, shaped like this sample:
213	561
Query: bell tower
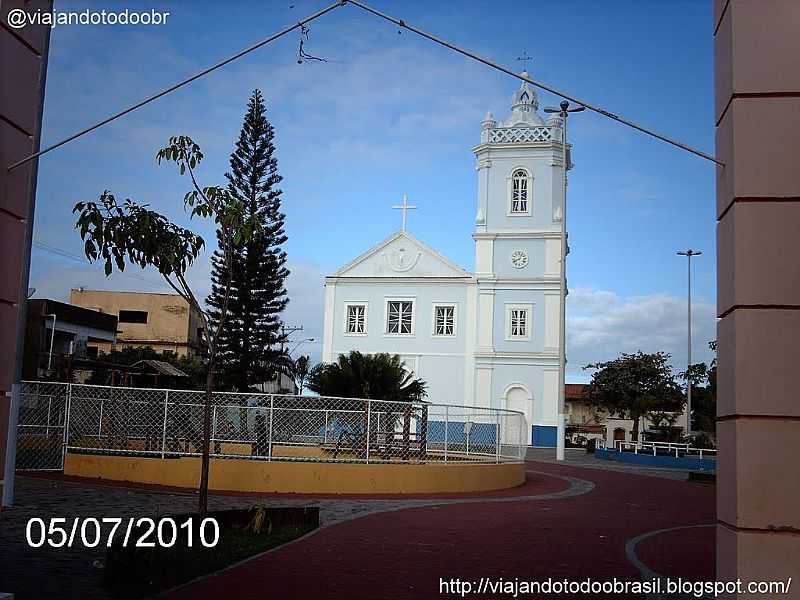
518	263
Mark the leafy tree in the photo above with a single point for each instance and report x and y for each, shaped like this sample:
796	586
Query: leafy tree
250	347
301	371
635	385
130	233
377	376
704	394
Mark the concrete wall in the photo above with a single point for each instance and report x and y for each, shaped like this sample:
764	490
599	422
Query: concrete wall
439	360
23	64
538	162
301	477
171	325
694	463
757	112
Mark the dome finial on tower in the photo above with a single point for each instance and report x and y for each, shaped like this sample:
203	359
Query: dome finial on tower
524	106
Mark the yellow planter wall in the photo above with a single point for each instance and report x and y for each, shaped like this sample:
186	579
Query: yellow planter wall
300	477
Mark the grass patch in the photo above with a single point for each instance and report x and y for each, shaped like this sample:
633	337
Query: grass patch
134	572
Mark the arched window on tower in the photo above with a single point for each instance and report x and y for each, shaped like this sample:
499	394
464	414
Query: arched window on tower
520	182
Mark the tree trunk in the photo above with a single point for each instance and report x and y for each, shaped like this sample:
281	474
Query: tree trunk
635	432
206	440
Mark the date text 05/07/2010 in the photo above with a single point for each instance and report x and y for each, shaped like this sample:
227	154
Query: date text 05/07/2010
142	532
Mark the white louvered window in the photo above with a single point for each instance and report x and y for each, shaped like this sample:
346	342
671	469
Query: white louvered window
519	192
444	320
399	317
519	323
356	319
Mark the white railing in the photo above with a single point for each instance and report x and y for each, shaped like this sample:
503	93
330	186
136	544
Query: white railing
676	449
518	135
165	423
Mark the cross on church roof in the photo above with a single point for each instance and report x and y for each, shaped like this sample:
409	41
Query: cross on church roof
405	207
525	58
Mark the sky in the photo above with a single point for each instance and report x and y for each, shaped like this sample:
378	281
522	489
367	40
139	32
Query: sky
389	114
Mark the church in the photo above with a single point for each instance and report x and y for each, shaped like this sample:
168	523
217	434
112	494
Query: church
487	338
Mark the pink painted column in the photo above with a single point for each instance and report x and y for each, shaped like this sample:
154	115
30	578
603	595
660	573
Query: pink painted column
23	63
757	45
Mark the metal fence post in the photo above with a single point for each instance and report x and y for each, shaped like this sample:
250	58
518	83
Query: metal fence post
271	411
325	432
49	409
369	406
446	427
497	439
213	427
11	446
100	421
163	425
67	415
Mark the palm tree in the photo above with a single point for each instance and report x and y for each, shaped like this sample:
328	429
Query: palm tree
300	372
379	377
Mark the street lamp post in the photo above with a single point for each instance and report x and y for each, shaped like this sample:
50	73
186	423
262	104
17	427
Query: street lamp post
52	339
563	111
298	344
689	254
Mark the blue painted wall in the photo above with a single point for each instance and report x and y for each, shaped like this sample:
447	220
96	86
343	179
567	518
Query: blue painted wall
706	464
480	433
544	436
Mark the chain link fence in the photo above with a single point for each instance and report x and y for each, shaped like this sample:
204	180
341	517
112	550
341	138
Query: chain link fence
157	422
41	425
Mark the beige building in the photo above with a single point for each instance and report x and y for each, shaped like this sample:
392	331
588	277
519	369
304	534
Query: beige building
584	421
164	322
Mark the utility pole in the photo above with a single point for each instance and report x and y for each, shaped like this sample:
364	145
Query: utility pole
563	111
689	254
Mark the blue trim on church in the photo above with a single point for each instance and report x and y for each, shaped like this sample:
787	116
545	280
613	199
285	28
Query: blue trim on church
544	436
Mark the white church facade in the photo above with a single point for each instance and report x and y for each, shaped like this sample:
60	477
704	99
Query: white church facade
486	338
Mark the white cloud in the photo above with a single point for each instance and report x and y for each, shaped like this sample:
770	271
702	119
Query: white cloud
601	325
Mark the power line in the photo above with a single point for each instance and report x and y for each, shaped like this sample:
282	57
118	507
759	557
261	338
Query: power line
65	254
403	24
172	88
538	84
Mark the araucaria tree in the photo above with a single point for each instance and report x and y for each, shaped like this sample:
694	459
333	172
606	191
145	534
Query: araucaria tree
129	233
250	346
635	385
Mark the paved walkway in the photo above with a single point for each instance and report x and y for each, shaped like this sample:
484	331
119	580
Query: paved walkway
566	521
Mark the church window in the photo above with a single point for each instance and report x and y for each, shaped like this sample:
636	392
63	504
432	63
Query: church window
518	321
520	182
399	317
356	319
444	319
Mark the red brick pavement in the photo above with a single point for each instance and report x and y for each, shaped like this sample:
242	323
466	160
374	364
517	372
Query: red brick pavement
403	554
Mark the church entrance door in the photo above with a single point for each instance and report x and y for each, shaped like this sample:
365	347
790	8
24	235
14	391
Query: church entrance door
517	398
